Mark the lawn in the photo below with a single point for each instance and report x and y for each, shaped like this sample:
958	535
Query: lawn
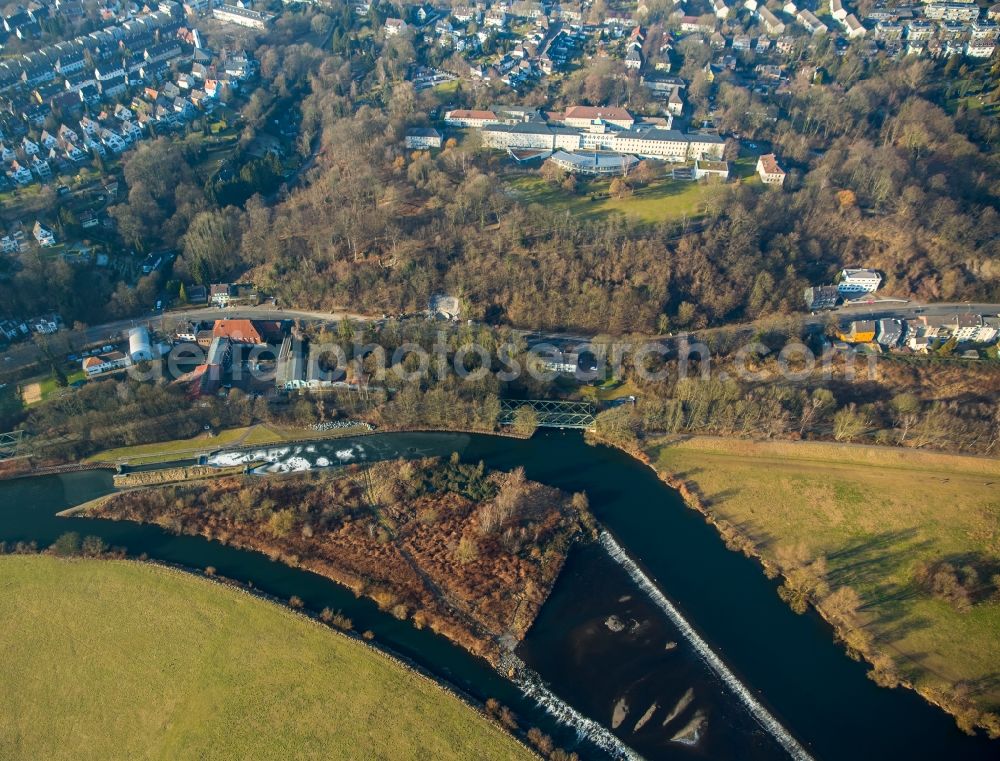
874	513
109	659
662	200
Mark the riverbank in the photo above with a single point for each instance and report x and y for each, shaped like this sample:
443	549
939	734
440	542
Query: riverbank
306	686
849	530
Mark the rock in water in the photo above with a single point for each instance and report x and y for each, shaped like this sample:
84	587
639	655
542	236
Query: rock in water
691	732
645	717
614	624
619	714
683	703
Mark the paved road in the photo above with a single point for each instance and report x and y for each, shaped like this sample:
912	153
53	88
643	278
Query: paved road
25	354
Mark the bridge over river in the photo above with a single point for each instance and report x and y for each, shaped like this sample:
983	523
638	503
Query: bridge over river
551	414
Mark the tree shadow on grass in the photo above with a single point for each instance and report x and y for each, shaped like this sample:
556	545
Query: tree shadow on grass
872	566
867	564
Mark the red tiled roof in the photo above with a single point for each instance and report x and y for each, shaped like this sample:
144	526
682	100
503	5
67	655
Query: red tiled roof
597	112
241	331
770	164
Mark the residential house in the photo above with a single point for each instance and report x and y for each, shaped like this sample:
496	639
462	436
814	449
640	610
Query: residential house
821	297
113	141
854	27
232	294
858	332
495	18
9	245
769	171
43	235
106	363
41	168
20	174
811	23
394	27
772	24
890	332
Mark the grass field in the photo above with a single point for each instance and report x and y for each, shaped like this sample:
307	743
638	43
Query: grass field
181	449
663	200
874	513
106	659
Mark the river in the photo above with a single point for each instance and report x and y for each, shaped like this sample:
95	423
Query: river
679	644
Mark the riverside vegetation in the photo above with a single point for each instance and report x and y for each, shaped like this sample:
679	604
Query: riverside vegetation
898	550
470	554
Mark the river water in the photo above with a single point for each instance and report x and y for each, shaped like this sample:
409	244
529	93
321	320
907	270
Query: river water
675	646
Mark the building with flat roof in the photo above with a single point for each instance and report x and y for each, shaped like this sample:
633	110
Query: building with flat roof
854	282
234	14
594	163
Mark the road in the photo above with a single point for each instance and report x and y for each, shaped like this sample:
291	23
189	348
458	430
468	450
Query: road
26	354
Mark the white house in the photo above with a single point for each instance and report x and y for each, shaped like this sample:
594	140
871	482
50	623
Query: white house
854	282
105	363
769	171
20	174
854	27
423	137
43	235
41	167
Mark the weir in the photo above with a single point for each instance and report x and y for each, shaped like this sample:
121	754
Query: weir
713	661
532	686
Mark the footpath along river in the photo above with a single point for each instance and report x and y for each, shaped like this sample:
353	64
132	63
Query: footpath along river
656	642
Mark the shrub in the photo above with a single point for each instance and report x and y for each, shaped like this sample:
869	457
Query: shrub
94	546
67	545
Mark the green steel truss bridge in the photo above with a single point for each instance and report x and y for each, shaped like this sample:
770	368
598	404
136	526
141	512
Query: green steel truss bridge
10	444
551	414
